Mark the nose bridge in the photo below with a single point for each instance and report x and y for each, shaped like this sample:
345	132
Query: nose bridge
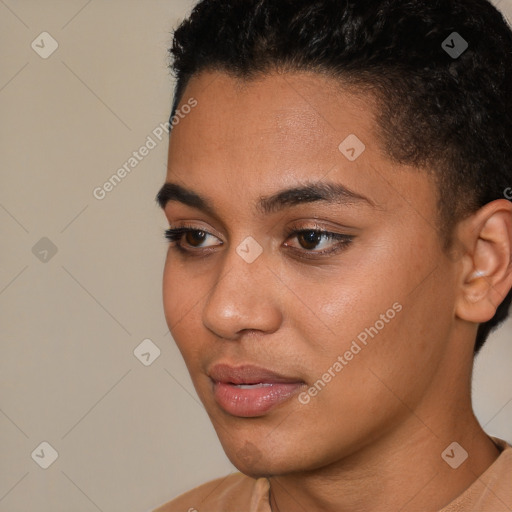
242	298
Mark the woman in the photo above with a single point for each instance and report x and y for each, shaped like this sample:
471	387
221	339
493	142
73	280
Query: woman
340	248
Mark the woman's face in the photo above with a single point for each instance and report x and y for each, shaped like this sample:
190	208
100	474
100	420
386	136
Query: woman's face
339	294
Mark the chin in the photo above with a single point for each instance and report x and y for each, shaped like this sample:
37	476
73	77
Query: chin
261	468
255	462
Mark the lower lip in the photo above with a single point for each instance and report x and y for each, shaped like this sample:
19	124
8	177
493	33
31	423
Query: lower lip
253	401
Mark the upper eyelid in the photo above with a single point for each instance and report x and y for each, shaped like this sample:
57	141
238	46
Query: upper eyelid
186	227
290	233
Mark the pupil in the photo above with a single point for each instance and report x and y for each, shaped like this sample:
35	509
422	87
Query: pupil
195	237
310	238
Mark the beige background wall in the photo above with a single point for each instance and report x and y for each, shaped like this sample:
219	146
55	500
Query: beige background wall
128	436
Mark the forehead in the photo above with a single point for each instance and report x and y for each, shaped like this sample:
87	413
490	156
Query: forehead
283	112
247	138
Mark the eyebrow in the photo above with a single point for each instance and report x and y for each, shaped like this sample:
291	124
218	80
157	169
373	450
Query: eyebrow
328	192
309	193
174	192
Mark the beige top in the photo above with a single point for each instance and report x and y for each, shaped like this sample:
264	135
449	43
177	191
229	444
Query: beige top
491	492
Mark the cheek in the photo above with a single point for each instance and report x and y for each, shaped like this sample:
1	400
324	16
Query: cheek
182	303
182	288
391	350
172	293
380	319
336	308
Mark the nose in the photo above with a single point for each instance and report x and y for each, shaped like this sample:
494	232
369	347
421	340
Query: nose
245	297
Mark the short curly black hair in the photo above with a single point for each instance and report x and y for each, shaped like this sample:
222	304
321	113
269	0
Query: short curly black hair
446	113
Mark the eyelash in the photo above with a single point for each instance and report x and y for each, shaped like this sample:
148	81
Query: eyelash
174	236
343	241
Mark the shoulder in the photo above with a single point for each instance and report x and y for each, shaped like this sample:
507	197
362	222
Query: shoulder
503	464
230	493
492	490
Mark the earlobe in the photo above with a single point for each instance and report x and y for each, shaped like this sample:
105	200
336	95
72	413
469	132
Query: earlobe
487	265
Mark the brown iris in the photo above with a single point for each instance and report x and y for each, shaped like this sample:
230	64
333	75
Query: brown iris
309	239
195	238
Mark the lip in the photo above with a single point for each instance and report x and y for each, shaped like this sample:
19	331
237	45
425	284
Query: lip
268	389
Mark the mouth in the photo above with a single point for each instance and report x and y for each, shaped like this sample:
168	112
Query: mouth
251	391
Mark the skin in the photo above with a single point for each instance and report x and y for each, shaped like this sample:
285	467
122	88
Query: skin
372	438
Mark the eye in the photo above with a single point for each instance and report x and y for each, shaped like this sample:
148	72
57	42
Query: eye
187	238
318	241
311	242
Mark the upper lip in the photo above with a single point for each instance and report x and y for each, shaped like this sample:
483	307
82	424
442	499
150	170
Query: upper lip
247	374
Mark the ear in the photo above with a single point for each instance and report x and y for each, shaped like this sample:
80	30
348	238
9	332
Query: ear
486	265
